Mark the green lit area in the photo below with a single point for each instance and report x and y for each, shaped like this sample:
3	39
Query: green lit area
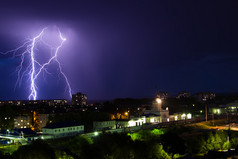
216	111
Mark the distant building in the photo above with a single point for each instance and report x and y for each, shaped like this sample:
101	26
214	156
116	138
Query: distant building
162	95
22	121
79	99
53	102
232	107
229	108
204	96
43	119
133	121
63	129
183	95
156	110
104	125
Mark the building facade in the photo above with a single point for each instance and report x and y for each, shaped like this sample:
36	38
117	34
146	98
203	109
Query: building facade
43	119
204	96
156	110
65	129
104	125
22	121
53	102
79	99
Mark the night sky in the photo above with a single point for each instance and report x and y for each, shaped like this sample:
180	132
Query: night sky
118	49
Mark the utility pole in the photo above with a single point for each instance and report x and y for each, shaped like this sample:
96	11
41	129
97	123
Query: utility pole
213	118
206	111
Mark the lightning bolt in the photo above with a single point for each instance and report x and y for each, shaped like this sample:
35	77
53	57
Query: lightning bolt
35	68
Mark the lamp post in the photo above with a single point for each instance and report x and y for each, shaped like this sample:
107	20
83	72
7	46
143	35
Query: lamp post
159	103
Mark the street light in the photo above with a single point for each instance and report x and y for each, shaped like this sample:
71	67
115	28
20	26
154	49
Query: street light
158	100
96	133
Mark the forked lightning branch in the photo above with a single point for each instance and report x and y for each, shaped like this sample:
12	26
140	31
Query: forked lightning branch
33	68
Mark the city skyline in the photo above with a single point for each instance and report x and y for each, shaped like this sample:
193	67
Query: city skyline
127	48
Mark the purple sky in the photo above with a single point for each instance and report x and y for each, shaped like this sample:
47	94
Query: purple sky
127	48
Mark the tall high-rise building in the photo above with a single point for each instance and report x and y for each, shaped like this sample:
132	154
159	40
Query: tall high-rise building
79	99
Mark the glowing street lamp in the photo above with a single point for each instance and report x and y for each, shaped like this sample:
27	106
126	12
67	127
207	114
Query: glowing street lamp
96	133
158	100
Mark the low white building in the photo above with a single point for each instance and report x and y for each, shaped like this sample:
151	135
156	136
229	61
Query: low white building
152	118
63	129
137	121
156	110
133	121
104	125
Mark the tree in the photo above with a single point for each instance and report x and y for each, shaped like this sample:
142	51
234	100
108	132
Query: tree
149	150
2	155
146	135
215	141
173	144
36	150
117	146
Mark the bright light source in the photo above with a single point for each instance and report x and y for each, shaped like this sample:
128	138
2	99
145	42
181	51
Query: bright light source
189	116
131	123
183	116
176	118
126	113
152	120
96	133
158	100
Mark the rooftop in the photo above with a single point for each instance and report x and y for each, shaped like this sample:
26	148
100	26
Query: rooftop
62	125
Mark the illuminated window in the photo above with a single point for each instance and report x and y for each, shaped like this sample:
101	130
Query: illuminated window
176	118
189	116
